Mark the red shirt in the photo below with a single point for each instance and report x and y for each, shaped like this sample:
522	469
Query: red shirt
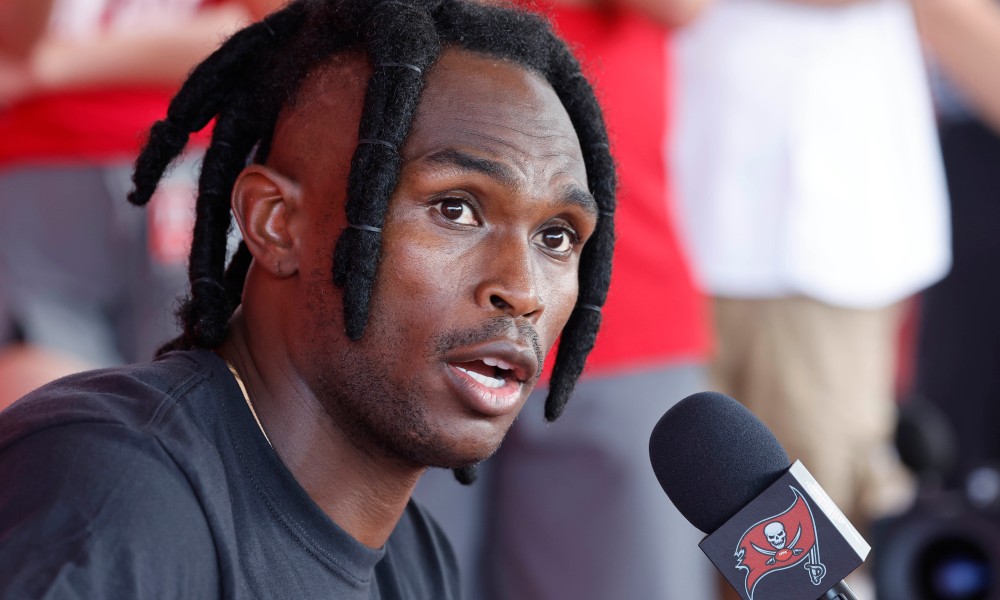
98	126
654	313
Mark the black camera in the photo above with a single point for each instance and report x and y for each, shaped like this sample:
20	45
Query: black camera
943	548
947	545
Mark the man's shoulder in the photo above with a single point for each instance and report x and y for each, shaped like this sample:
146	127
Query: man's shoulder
136	396
87	471
82	508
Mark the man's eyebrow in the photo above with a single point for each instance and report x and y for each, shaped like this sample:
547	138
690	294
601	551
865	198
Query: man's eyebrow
573	194
504	175
491	168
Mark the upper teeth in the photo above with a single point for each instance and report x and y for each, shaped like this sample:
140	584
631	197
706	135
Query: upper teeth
496	362
490	382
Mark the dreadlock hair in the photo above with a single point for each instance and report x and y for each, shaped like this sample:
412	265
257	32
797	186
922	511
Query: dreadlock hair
402	39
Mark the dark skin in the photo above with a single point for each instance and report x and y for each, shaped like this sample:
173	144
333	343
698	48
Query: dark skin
478	277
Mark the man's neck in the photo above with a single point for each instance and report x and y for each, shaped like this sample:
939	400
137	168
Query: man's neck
365	494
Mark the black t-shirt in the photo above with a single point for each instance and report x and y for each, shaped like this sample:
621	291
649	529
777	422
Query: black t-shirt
154	481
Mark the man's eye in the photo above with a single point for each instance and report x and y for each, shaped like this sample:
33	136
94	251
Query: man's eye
557	239
457	211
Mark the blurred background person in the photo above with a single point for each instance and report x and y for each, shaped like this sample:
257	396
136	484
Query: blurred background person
84	282
573	511
814	203
959	347
963	37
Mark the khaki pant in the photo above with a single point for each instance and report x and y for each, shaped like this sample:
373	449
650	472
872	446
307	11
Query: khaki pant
822	379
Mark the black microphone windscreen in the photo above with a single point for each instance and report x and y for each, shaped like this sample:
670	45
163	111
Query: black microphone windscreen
712	456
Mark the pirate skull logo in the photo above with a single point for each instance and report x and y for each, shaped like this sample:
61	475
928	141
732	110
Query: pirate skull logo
784	550
775	533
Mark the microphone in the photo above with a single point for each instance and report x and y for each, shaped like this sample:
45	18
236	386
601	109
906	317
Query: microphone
772	530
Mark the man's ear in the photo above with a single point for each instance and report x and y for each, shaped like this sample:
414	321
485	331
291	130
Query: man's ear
264	203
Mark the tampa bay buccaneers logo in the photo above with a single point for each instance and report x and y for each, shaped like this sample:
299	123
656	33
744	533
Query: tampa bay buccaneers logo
781	542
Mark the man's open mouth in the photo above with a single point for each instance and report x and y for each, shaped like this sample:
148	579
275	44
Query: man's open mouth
492	377
490	372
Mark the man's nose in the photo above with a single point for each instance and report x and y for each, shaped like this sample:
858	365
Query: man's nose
510	282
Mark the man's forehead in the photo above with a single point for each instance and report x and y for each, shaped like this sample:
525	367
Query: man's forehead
463	78
467	95
471	94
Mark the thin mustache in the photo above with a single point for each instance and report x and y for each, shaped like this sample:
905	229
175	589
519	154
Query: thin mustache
490	330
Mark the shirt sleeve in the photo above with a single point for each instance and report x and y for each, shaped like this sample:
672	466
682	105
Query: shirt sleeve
99	510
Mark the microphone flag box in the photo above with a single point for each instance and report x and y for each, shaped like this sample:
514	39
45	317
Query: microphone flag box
790	543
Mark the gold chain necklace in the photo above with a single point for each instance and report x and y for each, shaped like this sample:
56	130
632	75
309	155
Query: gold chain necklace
246	396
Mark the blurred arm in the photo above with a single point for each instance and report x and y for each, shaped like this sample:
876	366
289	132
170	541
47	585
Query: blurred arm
826	2
22	24
261	8
677	13
147	56
964	37
158	54
669	13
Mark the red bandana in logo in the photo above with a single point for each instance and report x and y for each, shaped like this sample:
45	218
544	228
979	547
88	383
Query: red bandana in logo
781	542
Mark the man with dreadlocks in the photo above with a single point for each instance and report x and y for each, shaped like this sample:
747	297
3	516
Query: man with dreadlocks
425	194
653	344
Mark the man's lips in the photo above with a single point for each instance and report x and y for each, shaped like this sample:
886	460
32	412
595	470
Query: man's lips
508	359
490	367
485	395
